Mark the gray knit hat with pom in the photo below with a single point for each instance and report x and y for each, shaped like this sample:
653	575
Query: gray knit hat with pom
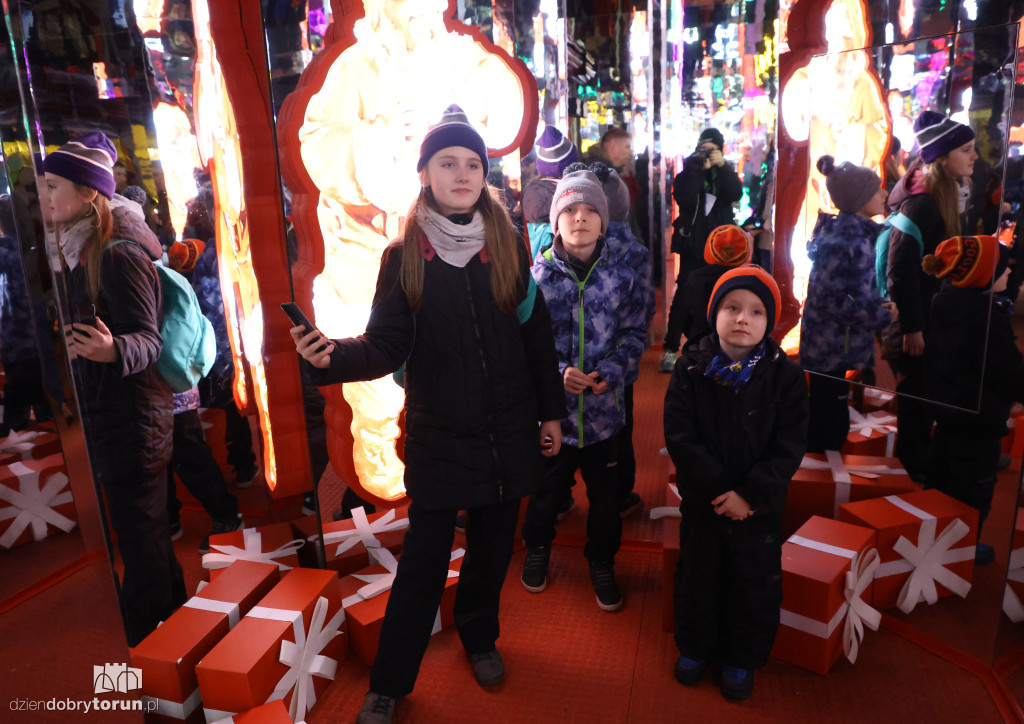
579	187
850	186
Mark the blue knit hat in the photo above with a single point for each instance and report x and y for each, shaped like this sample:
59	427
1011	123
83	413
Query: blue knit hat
937	135
87	160
554	153
453	129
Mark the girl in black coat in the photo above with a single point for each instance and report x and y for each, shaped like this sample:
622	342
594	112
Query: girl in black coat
736	429
125	403
456	303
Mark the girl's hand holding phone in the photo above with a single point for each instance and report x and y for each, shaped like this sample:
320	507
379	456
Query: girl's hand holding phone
311	348
94	343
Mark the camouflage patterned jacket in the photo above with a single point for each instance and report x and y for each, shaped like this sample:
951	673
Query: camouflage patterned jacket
606	309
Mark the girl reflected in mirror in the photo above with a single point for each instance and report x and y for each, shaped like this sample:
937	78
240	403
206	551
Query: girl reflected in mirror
114	344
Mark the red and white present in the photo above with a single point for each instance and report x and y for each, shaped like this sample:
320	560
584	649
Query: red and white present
168	656
35	500
879	399
33	443
871	434
1014	591
826	481
348	542
273	543
287	647
828	569
926	541
669	553
365	597
273	712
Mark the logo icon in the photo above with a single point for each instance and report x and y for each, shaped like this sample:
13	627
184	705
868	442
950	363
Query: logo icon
116	677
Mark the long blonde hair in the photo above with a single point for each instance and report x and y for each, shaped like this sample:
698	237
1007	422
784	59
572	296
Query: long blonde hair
103	231
500	242
943	188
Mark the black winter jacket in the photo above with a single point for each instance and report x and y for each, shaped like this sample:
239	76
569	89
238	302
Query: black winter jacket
696	296
968	355
477	382
690	189
126	405
750	438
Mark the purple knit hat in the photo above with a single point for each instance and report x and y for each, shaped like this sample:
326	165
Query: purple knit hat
454	129
937	135
87	160
554	153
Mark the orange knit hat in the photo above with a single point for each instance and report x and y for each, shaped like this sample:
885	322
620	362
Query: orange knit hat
755	279
728	245
969	262
183	254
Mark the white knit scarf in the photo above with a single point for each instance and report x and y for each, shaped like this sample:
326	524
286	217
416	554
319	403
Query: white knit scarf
454	243
74	238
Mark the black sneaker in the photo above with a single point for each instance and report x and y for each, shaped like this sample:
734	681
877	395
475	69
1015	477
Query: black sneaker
630	504
566	509
689	672
489	668
1005	461
309	506
602	576
983	554
535	569
377	709
176	531
460	523
737	683
228	525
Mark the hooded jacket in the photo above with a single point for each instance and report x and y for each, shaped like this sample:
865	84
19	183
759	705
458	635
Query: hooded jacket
477	381
843	309
126	405
691	189
599	324
749	438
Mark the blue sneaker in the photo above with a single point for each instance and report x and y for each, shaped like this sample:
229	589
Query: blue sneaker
737	683
689	672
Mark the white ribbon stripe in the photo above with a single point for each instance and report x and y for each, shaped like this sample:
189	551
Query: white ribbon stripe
669	511
823	547
216	716
1012	606
252	551
172	709
32	506
210	604
364	531
305	661
378	583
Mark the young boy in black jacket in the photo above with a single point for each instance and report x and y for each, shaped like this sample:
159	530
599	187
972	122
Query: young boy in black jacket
736	428
967	355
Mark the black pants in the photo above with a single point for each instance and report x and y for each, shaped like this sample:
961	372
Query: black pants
419	584
674	331
238	439
153	585
914	417
192	460
23	394
728	589
598	465
964	469
829	421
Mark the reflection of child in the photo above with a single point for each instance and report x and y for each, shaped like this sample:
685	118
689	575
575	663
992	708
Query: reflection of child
843	310
967	352
735	426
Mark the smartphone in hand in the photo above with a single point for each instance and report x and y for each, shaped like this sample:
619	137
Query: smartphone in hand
299	319
84	314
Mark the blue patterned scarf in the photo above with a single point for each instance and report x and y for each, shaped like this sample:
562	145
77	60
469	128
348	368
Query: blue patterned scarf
733	374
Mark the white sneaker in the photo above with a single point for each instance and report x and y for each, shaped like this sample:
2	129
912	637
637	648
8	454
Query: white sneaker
668	361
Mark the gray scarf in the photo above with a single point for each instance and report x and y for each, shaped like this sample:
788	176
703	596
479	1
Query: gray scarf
454	243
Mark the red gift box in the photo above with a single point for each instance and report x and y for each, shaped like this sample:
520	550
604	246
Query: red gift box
926	541
365	596
827	572
32	443
1013	595
287	647
35	500
669	553
168	656
824	482
871	434
273	543
273	712
347	542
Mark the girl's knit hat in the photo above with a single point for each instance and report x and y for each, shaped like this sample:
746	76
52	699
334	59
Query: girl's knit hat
579	187
87	160
937	135
554	153
452	130
968	262
752	278
728	245
850	186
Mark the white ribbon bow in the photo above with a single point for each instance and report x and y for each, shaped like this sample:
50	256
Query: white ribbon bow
252	551
929	558
668	511
305	661
32	506
1012	606
364	531
378	583
859	612
20	442
873	422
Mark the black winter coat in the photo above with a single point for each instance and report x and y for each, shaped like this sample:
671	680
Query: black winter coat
690	189
126	405
968	355
750	438
477	382
696	296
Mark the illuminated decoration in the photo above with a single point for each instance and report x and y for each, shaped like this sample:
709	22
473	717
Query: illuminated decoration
250	232
349	138
179	156
147	14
